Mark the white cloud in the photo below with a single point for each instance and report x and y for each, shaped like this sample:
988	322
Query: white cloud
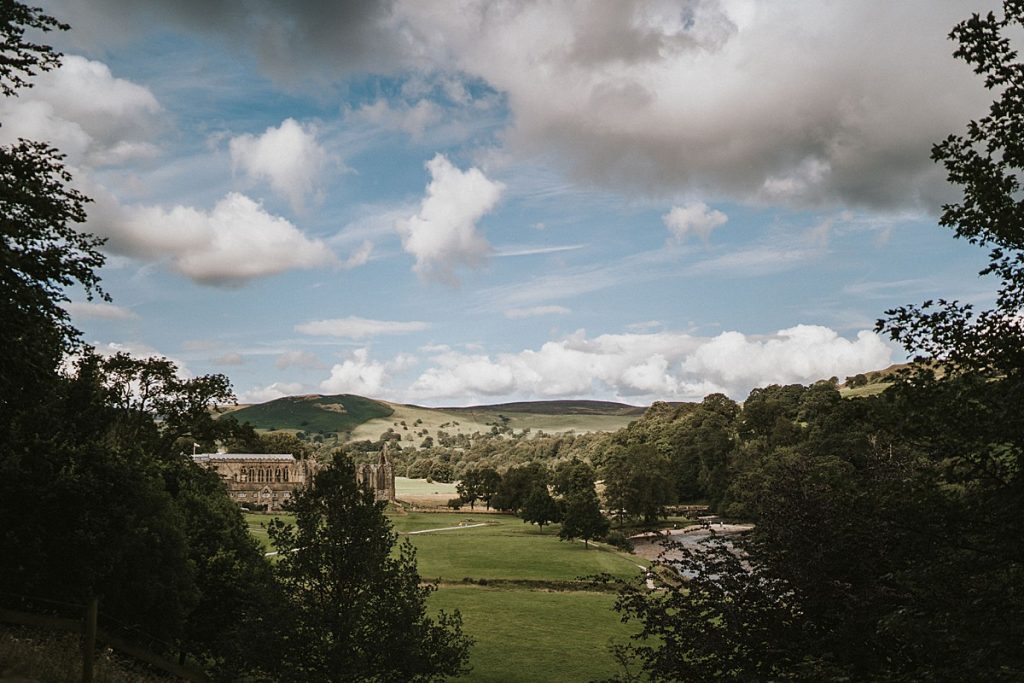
230	358
443	234
354	327
297	359
516	313
88	310
802	102
413	120
657	366
360	256
84	111
357	375
288	157
271	392
693	218
234	242
140	350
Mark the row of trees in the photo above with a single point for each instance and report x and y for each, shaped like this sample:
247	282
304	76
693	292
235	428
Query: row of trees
100	499
526	490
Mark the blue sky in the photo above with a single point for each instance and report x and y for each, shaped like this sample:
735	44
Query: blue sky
452	203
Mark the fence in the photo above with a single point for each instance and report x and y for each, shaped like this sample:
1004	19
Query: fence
87	626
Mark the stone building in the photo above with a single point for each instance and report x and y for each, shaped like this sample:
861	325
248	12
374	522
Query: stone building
379	477
267	480
264	480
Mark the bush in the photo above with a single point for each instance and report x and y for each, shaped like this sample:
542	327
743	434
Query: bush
619	540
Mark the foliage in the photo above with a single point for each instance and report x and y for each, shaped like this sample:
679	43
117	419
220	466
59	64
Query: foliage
723	624
540	508
517	484
637	482
583	518
357	609
570	476
479	483
21	59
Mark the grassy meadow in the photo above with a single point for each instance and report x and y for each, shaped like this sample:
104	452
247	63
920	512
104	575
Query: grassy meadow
516	589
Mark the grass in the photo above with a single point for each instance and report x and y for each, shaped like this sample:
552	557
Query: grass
339	413
505	549
535	636
421	487
524	630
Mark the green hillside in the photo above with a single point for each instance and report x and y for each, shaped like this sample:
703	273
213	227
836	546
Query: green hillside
339	413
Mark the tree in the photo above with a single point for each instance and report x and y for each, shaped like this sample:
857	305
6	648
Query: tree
358	608
540	508
583	518
573	475
638	481
517	484
722	624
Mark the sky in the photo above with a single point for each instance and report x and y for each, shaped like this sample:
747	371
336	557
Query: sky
450	203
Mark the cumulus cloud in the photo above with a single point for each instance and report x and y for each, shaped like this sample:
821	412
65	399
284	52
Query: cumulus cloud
270	392
694	218
297	359
533	311
288	157
354	327
443	233
94	310
293	39
657	366
357	375
798	102
801	102
87	113
234	242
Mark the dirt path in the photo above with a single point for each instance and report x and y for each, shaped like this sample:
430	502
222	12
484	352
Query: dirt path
446	528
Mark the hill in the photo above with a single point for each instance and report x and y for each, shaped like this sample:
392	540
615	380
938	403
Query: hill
339	413
555	408
355	417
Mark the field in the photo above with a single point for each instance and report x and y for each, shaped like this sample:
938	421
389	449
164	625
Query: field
516	589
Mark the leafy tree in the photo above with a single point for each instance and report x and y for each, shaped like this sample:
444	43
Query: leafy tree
583	518
517	484
573	475
638	481
358	608
722	624
540	508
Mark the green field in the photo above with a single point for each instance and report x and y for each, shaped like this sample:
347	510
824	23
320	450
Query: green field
524	630
534	636
421	487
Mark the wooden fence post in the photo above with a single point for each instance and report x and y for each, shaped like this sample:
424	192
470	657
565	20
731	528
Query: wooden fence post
89	639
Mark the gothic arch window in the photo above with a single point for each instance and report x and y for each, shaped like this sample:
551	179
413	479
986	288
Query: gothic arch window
277	475
286	473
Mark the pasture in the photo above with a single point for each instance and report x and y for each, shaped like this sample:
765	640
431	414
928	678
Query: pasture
517	590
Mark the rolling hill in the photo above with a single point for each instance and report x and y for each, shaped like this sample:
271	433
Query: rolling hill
340	413
355	417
